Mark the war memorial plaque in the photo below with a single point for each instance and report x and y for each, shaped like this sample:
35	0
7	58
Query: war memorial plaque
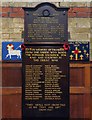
46	23
45	88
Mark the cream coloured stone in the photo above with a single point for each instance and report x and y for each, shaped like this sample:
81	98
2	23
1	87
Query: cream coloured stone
79	36
18	20
12	36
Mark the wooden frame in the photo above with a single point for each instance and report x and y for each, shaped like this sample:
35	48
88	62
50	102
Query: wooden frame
80	95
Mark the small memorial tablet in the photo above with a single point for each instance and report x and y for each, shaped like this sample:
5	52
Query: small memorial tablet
46	23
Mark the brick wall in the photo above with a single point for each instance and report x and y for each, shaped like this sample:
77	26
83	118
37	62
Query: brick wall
80	17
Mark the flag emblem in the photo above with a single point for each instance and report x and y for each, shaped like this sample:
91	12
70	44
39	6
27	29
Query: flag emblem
11	51
79	51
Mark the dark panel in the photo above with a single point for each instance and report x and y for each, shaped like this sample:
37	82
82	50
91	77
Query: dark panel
14	108
0	106
91	105
77	106
46	23
11	106
91	89
11	98
91	76
77	76
45	81
0	75
45	66
11	75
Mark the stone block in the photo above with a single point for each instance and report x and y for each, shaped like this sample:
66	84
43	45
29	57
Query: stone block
79	30
7	23
16	25
83	22
18	20
19	4
79	36
74	4
5	36
17	30
7	30
72	22
12	36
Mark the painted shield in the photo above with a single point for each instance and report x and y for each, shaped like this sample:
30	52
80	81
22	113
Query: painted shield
11	51
79	51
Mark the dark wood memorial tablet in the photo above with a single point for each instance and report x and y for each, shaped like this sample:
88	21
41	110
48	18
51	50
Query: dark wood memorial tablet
45	23
45	63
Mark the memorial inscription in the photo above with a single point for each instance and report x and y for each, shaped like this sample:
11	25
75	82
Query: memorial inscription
45	88
46	23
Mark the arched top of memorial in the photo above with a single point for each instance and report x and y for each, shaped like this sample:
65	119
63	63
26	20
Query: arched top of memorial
46	22
44	4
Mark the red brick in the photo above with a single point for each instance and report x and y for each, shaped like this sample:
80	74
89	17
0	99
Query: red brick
17	9
90	14
79	9
18	14
82	14
70	10
6	9
12	15
4	15
72	14
91	9
0	9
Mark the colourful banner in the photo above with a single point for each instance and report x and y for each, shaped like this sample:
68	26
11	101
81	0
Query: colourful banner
79	51
11	51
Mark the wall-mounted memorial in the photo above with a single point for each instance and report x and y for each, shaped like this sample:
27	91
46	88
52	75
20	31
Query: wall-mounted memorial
45	23
45	87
